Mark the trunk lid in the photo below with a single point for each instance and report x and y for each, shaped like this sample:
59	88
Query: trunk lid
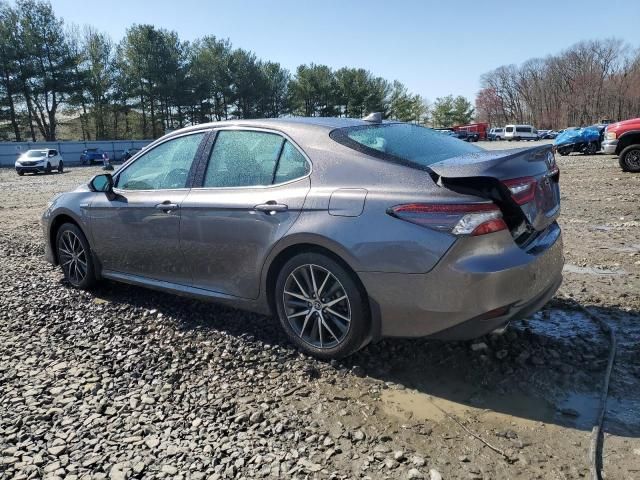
497	174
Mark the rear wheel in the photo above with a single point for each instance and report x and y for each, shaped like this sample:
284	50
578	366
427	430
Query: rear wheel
74	256
60	167
629	159
321	306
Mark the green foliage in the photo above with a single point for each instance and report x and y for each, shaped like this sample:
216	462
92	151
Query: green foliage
449	111
151	82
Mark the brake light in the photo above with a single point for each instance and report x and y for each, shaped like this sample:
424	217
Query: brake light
523	190
459	219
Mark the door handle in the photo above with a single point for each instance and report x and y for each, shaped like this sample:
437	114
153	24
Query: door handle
271	207
167	206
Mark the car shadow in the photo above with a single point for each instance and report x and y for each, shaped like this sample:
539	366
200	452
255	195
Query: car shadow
546	368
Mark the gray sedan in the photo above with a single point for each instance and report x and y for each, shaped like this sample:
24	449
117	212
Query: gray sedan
347	230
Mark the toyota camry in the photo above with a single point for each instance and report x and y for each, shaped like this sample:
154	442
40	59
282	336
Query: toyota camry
347	230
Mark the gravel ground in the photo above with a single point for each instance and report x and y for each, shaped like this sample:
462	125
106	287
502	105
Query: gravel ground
124	382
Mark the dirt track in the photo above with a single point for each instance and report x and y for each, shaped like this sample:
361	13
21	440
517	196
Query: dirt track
124	382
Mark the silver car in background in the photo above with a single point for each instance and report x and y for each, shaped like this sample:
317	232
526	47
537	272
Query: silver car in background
39	160
347	230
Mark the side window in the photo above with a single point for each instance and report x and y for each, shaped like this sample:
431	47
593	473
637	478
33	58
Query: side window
242	158
164	167
292	164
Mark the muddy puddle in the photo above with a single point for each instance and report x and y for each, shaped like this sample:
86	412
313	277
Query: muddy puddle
486	388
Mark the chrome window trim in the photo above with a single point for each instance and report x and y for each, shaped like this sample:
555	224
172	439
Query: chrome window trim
148	149
263	130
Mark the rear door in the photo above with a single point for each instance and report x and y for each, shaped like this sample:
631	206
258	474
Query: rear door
137	230
250	190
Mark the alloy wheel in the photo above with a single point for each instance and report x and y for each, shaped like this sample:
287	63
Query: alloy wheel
317	306
632	159
73	257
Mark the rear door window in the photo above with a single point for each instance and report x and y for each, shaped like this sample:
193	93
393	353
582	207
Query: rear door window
247	158
243	158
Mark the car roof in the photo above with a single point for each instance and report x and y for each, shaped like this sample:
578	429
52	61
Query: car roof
283	124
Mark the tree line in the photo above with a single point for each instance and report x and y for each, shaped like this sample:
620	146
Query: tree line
584	84
54	77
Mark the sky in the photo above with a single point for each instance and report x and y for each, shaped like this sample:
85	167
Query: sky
435	48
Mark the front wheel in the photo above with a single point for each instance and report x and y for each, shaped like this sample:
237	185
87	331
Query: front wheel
629	159
74	256
47	169
20	172
591	148
321	306
60	167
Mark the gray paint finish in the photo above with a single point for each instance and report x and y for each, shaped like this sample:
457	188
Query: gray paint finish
217	245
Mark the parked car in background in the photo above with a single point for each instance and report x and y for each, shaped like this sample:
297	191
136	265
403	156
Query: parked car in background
549	135
40	160
128	153
520	132
623	139
542	134
585	140
466	136
284	216
91	156
496	134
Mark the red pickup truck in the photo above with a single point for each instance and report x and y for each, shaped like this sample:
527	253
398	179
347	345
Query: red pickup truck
623	139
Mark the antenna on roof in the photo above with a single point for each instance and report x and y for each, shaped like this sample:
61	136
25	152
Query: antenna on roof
374	117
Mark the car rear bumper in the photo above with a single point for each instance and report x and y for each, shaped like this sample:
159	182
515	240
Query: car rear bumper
479	285
609	146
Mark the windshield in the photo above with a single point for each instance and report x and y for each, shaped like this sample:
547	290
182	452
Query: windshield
402	142
36	153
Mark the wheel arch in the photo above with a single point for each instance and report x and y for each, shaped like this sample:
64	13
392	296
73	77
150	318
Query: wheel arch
55	225
628	138
326	247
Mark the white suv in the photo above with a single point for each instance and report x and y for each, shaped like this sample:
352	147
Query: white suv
40	160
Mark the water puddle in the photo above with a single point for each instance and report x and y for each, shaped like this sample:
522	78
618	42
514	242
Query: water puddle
580	410
560	324
569	268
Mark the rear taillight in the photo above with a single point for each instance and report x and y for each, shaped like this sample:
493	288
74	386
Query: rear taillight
458	219
523	190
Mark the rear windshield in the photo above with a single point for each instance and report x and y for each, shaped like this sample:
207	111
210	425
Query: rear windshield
402	142
509	129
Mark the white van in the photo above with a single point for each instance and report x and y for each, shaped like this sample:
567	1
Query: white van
520	132
496	134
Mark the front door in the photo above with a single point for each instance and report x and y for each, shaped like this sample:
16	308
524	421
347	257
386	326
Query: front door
137	231
251	193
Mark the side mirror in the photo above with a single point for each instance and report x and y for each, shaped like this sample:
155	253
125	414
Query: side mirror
102	183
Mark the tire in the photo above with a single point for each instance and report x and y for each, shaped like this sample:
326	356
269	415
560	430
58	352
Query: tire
71	243
60	167
629	158
20	172
317	328
591	148
47	169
